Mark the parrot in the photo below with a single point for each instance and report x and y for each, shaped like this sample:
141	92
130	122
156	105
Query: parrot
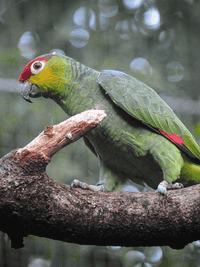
141	140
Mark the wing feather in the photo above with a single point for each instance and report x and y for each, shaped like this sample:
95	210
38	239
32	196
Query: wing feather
144	104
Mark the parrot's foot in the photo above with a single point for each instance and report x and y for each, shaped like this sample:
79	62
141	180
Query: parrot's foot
164	186
77	184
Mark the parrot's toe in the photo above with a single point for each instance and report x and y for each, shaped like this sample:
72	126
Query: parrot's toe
177	186
164	186
77	184
171	186
162	190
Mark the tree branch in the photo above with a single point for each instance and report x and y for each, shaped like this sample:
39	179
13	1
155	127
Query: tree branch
32	203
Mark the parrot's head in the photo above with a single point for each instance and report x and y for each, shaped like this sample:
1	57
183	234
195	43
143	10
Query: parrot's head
45	76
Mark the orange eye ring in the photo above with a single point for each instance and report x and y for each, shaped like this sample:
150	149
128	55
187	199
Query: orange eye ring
37	67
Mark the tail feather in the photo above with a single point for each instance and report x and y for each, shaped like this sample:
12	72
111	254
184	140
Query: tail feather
190	173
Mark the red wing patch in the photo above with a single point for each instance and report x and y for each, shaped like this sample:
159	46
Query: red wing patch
174	138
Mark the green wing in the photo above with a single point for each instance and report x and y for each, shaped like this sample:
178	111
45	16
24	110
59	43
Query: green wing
144	104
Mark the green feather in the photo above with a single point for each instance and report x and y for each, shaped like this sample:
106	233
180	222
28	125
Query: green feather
143	103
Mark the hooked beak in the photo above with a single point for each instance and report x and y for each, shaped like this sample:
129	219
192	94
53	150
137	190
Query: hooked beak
29	90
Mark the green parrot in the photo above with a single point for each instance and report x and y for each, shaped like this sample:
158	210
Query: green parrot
140	140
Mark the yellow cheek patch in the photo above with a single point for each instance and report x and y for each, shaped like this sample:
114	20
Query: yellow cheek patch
53	77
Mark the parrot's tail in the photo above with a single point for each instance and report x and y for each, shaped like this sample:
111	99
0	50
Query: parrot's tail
190	172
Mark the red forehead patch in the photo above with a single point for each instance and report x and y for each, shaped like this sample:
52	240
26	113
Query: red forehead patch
26	73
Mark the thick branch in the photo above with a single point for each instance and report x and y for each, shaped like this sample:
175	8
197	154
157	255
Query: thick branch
33	203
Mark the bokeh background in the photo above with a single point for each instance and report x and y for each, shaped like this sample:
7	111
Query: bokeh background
157	41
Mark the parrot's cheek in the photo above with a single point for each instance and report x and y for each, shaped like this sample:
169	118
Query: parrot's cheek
30	90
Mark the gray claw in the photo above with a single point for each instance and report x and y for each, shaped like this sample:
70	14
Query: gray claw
77	184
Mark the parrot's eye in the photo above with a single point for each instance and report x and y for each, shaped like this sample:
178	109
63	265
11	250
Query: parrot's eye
37	66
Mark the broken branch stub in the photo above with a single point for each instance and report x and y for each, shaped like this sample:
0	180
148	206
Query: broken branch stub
56	137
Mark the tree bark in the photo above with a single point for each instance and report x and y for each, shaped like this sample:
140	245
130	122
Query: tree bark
31	203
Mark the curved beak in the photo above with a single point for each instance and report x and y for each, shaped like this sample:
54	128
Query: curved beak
29	90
